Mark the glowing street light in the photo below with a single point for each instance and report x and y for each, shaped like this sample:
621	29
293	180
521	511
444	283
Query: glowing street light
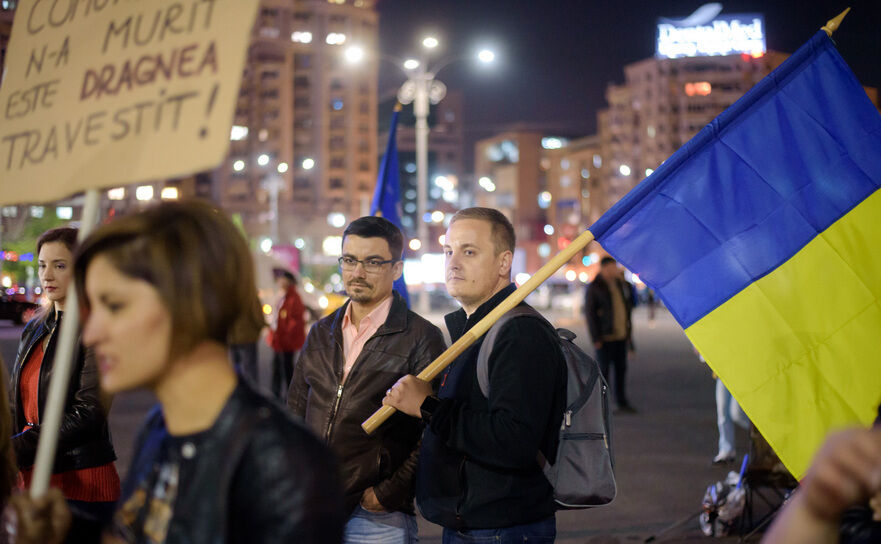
354	54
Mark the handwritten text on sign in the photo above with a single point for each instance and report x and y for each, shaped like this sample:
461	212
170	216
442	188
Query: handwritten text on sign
100	93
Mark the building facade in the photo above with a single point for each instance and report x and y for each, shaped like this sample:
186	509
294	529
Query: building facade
305	124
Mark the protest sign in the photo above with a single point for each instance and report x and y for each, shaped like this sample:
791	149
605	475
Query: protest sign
100	93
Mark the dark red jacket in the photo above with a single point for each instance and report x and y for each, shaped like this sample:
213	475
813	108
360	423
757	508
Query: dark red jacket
290	330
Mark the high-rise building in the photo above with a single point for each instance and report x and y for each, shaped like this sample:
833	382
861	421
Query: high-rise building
7	12
305	122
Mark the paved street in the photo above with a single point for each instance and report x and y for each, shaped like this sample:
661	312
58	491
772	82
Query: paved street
662	453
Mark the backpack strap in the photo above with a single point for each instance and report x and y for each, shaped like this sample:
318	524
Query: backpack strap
489	341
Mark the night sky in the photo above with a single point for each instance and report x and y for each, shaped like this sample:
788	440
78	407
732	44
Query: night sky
556	57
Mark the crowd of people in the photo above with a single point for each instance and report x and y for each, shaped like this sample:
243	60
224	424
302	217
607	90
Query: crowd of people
169	303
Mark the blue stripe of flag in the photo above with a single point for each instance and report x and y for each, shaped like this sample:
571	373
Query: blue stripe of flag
787	160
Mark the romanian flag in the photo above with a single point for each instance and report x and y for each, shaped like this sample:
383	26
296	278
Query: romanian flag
387	195
762	235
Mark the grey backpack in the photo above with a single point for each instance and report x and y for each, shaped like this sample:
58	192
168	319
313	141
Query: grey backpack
582	475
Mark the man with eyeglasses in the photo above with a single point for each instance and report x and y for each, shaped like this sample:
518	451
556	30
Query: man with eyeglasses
349	361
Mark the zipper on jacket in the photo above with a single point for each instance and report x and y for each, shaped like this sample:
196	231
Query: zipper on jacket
336	406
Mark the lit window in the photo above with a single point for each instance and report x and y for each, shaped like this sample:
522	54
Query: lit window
116	194
169	193
37	211
301	37
700	88
144	192
335	38
597	161
238	133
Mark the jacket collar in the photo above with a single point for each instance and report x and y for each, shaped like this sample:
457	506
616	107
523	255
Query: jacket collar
458	322
394	323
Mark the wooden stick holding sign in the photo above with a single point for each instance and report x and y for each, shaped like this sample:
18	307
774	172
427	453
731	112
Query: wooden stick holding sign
64	357
479	329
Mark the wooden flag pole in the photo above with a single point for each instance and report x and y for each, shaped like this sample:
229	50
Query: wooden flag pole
51	420
479	329
833	24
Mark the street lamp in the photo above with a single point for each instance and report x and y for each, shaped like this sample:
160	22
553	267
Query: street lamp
422	89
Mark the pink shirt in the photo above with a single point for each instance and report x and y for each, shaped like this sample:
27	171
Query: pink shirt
354	337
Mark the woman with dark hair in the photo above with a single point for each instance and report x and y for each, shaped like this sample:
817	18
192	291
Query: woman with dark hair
165	291
84	470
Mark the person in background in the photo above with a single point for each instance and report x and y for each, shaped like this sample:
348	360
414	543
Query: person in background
216	461
84	467
349	360
288	331
607	307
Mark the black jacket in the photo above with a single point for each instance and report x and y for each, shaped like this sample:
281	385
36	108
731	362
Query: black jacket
385	460
598	307
477	465
84	439
259	477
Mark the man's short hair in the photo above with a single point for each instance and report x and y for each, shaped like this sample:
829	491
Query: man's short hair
378	227
607	260
502	229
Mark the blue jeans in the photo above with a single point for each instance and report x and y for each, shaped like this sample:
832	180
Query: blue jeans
541	532
728	412
365	527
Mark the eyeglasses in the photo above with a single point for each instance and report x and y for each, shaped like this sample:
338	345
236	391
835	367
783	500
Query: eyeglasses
371	266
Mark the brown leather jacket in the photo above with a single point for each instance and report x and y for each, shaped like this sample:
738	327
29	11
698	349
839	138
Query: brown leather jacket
386	460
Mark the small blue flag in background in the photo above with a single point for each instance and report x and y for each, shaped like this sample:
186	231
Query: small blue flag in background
387	197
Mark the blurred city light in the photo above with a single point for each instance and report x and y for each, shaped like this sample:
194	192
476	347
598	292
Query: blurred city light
238	132
336	220
282	167
521	278
335	38
624	170
323	302
544	250
238	165
301	37
437	216
267	309
144	193
583	277
332	246
544	200
299	243
308	287
266	245
169	193
487	184
648	172
117	193
549	230
415	244
486	56
263	159
571	275
354	54
442	239
430	42
308	163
